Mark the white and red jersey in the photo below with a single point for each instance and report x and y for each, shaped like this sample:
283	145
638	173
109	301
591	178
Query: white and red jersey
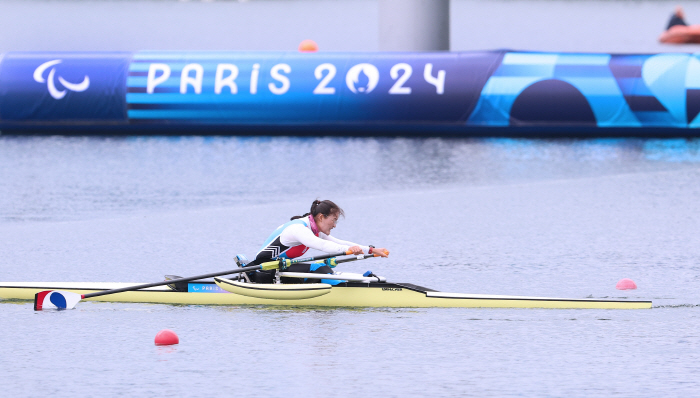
294	238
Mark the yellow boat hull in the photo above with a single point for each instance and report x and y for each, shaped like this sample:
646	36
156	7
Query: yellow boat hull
400	295
275	291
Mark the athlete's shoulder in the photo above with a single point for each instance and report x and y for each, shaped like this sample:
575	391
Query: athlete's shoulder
294	225
298	221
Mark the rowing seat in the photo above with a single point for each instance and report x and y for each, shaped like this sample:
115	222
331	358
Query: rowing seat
177	286
254	276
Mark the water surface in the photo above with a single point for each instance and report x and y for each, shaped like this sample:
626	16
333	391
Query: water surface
522	217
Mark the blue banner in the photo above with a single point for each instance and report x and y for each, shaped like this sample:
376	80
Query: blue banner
63	88
464	90
293	88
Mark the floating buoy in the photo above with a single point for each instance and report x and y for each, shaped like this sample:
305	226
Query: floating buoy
167	337
308	46
626	284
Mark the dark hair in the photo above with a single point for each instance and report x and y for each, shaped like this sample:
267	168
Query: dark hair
325	207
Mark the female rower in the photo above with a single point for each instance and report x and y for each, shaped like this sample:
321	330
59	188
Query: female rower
311	230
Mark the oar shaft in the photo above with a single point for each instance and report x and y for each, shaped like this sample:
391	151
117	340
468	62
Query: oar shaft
264	266
168	282
282	263
314	258
348	259
355	258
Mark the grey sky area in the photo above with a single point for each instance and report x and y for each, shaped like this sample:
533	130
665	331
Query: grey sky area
336	25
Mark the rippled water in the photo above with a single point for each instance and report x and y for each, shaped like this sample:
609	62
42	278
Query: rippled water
545	218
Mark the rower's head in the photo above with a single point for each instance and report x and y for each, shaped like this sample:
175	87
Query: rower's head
325	214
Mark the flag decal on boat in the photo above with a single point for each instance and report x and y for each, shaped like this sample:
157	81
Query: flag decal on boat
55	299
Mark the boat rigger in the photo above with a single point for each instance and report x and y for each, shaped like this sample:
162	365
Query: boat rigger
225	291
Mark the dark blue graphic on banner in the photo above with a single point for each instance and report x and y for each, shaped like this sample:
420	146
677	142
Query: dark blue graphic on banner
272	88
63	87
603	90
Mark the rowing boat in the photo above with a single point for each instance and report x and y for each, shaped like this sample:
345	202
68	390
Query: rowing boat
356	292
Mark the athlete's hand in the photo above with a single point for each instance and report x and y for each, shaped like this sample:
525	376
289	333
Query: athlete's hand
380	252
356	250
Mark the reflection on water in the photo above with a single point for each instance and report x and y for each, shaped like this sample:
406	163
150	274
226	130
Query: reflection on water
58	178
165	350
676	150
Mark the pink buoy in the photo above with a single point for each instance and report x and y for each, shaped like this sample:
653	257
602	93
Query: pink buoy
308	46
626	284
167	337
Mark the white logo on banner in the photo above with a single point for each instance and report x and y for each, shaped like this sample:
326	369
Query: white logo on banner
51	84
353	77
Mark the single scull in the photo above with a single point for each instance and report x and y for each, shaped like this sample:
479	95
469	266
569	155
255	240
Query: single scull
359	291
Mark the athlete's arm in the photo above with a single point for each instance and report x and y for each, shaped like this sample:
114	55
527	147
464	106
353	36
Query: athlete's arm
365	249
378	251
299	234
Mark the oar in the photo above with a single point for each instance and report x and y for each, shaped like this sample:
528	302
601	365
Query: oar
334	261
67	300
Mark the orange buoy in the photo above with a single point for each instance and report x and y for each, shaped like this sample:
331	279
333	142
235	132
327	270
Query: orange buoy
308	46
167	337
626	284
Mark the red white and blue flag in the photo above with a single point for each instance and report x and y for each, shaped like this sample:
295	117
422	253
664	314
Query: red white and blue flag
55	299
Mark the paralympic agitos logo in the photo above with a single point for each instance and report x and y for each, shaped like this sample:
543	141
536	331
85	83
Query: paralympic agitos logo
51	82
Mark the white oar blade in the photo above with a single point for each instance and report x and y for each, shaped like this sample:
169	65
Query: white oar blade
55	299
